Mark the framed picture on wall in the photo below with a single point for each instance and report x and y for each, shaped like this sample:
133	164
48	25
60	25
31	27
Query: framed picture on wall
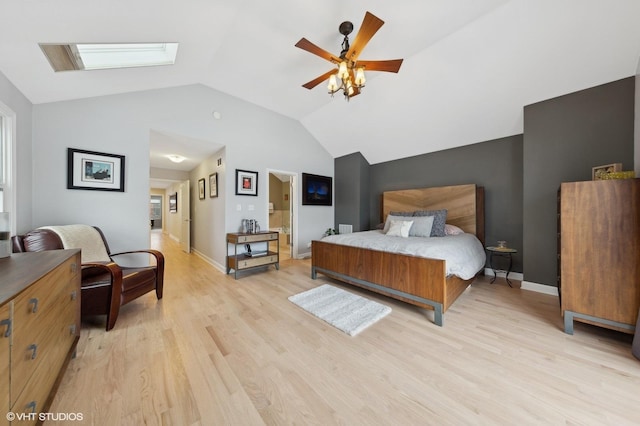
213	185
246	182
173	203
94	170
317	190
201	189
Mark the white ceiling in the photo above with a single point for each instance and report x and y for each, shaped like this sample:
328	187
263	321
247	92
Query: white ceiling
469	65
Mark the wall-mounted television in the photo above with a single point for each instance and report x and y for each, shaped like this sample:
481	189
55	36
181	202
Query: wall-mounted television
317	190
173	203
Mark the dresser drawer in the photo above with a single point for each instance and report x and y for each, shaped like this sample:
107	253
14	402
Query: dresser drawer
37	301
47	342
257	261
254	238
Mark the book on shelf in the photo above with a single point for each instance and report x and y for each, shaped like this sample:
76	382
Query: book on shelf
256	253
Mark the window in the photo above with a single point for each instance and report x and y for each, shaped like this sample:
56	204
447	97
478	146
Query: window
69	57
7	169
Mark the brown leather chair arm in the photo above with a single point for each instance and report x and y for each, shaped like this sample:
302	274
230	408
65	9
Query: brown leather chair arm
115	272
159	267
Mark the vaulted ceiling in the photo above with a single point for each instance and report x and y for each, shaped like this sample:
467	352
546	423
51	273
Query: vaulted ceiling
469	65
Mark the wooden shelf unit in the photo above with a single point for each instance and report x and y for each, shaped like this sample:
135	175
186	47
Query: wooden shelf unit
240	261
599	253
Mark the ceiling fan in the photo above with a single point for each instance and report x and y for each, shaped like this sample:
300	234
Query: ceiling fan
349	76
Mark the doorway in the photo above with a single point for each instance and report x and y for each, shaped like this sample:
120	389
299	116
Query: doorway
155	212
281	210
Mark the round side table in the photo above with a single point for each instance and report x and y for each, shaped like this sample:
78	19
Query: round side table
501	252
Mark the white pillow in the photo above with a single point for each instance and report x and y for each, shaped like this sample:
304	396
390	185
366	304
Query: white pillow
421	226
452	230
399	228
390	217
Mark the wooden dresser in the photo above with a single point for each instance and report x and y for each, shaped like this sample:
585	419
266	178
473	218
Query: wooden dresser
599	253
40	317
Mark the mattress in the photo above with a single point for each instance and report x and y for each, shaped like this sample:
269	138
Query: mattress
463	254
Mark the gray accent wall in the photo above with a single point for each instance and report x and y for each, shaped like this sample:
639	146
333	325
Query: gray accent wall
496	165
564	138
352	192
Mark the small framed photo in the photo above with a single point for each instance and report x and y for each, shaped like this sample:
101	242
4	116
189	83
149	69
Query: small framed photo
201	186
246	182
94	170
599	172
213	185
173	203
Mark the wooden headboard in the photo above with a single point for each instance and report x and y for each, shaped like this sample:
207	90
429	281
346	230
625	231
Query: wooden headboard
464	204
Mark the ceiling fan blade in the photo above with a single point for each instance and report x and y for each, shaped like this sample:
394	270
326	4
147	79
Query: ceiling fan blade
305	44
392	65
313	83
370	25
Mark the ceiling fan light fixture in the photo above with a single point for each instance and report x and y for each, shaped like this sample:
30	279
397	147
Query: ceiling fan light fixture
360	79
350	89
333	84
342	70
349	76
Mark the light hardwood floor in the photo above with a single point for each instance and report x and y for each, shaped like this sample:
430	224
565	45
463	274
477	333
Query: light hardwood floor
216	351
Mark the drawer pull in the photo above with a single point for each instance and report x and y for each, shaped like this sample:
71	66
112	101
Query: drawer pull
6	322
33	347
74	294
31	406
72	329
74	267
34	302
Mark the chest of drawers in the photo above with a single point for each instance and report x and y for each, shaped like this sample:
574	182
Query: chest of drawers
40	317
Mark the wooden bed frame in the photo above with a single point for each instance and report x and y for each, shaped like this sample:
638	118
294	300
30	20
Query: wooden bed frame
419	281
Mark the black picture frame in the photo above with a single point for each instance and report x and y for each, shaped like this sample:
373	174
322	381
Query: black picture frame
201	189
173	203
213	185
97	171
317	190
246	182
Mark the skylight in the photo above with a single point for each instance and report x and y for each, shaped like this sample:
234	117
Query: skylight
80	56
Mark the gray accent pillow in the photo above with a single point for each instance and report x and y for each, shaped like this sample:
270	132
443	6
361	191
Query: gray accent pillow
422	226
401	213
439	220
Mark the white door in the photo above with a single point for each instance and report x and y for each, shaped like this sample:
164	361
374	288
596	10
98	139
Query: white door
185	217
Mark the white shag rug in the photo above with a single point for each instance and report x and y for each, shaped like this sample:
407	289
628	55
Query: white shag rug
347	312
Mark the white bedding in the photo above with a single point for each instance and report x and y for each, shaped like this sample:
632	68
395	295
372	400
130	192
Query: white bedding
463	253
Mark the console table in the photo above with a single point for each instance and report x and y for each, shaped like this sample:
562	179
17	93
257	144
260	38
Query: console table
256	258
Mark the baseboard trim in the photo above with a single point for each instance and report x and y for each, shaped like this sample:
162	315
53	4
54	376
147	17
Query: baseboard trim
539	288
221	268
512	275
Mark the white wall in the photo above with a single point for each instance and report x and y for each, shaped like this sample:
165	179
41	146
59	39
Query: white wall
208	227
254	139
20	105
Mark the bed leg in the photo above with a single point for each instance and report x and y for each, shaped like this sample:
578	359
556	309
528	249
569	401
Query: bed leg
568	322
313	273
437	317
